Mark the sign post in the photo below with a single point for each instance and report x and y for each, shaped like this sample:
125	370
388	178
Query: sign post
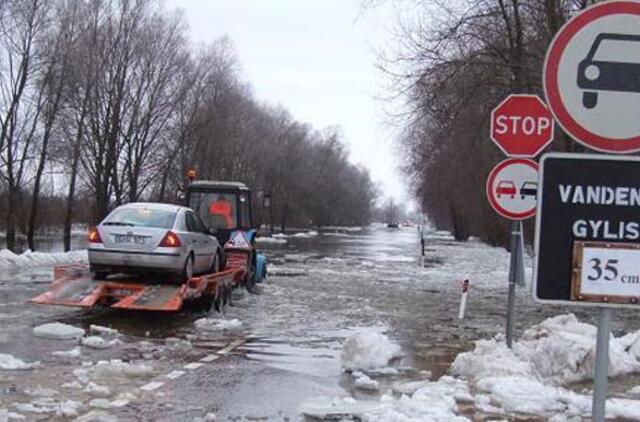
511	191
521	126
592	91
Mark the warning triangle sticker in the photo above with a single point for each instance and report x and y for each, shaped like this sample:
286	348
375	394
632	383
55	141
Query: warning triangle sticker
238	240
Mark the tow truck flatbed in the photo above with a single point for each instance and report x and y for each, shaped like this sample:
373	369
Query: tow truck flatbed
73	285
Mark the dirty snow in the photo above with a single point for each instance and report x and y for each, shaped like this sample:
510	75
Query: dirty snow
9	260
116	368
99	329
214	324
58	331
10	362
368	349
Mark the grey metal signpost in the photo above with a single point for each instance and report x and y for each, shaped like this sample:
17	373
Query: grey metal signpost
514	271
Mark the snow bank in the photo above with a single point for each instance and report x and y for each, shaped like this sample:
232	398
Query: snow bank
10	362
368	350
283	271
10	260
58	331
212	324
301	235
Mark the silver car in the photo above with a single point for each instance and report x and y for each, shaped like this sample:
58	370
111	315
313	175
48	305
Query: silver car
149	237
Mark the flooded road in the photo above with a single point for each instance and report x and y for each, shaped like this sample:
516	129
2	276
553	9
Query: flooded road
273	351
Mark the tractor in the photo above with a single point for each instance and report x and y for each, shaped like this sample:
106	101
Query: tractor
225	207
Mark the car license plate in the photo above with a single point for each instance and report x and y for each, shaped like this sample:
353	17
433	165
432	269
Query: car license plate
130	239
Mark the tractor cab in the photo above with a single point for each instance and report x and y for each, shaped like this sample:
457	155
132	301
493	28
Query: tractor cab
224	207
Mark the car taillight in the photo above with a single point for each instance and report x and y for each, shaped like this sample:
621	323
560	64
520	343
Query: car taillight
94	235
170	240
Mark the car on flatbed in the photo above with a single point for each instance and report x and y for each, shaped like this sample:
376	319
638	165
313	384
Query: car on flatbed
153	238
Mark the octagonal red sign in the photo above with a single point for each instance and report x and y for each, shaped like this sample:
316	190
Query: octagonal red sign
521	125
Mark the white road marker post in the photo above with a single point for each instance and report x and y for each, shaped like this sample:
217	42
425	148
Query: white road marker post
463	300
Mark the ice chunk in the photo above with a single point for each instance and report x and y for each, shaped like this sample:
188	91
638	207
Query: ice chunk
58	331
271	240
10	362
212	324
99	329
118	369
103	404
97	390
76	352
97	342
178	344
9	259
363	382
368	349
97	416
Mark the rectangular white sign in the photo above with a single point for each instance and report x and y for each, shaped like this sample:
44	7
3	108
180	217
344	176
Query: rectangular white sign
610	272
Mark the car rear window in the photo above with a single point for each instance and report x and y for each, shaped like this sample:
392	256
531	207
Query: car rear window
141	217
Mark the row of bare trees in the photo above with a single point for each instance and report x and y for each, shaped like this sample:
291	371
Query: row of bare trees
107	101
454	62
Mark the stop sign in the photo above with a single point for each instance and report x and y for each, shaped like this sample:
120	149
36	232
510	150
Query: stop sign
521	125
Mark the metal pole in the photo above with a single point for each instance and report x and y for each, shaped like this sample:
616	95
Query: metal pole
513	271
520	274
601	373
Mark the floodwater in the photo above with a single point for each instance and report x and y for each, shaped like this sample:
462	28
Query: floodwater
287	349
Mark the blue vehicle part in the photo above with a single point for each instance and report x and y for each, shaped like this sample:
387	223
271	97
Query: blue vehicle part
261	268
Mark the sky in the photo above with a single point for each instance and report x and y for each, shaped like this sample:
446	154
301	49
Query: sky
317	59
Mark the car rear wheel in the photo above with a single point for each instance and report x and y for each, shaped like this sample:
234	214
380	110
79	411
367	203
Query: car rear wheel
589	99
215	265
187	272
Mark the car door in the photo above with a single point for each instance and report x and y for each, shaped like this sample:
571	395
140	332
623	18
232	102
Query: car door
209	243
199	242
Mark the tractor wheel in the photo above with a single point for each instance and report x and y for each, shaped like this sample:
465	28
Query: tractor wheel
250	281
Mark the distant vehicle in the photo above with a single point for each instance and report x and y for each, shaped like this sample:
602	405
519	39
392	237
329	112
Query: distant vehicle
140	238
393	225
528	189
612	64
506	187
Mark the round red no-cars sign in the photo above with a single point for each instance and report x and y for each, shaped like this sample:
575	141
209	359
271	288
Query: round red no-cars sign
592	77
512	188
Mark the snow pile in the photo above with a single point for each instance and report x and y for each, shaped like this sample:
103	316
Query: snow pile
97	342
435	401
10	362
558	351
271	240
9	259
58	331
528	379
368	350
212	324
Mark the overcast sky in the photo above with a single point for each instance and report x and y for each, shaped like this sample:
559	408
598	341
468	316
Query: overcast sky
315	58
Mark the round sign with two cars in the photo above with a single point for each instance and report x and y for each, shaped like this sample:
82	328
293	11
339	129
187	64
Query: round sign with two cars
592	77
512	188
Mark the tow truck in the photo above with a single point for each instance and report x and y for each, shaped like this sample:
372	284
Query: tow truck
243	266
